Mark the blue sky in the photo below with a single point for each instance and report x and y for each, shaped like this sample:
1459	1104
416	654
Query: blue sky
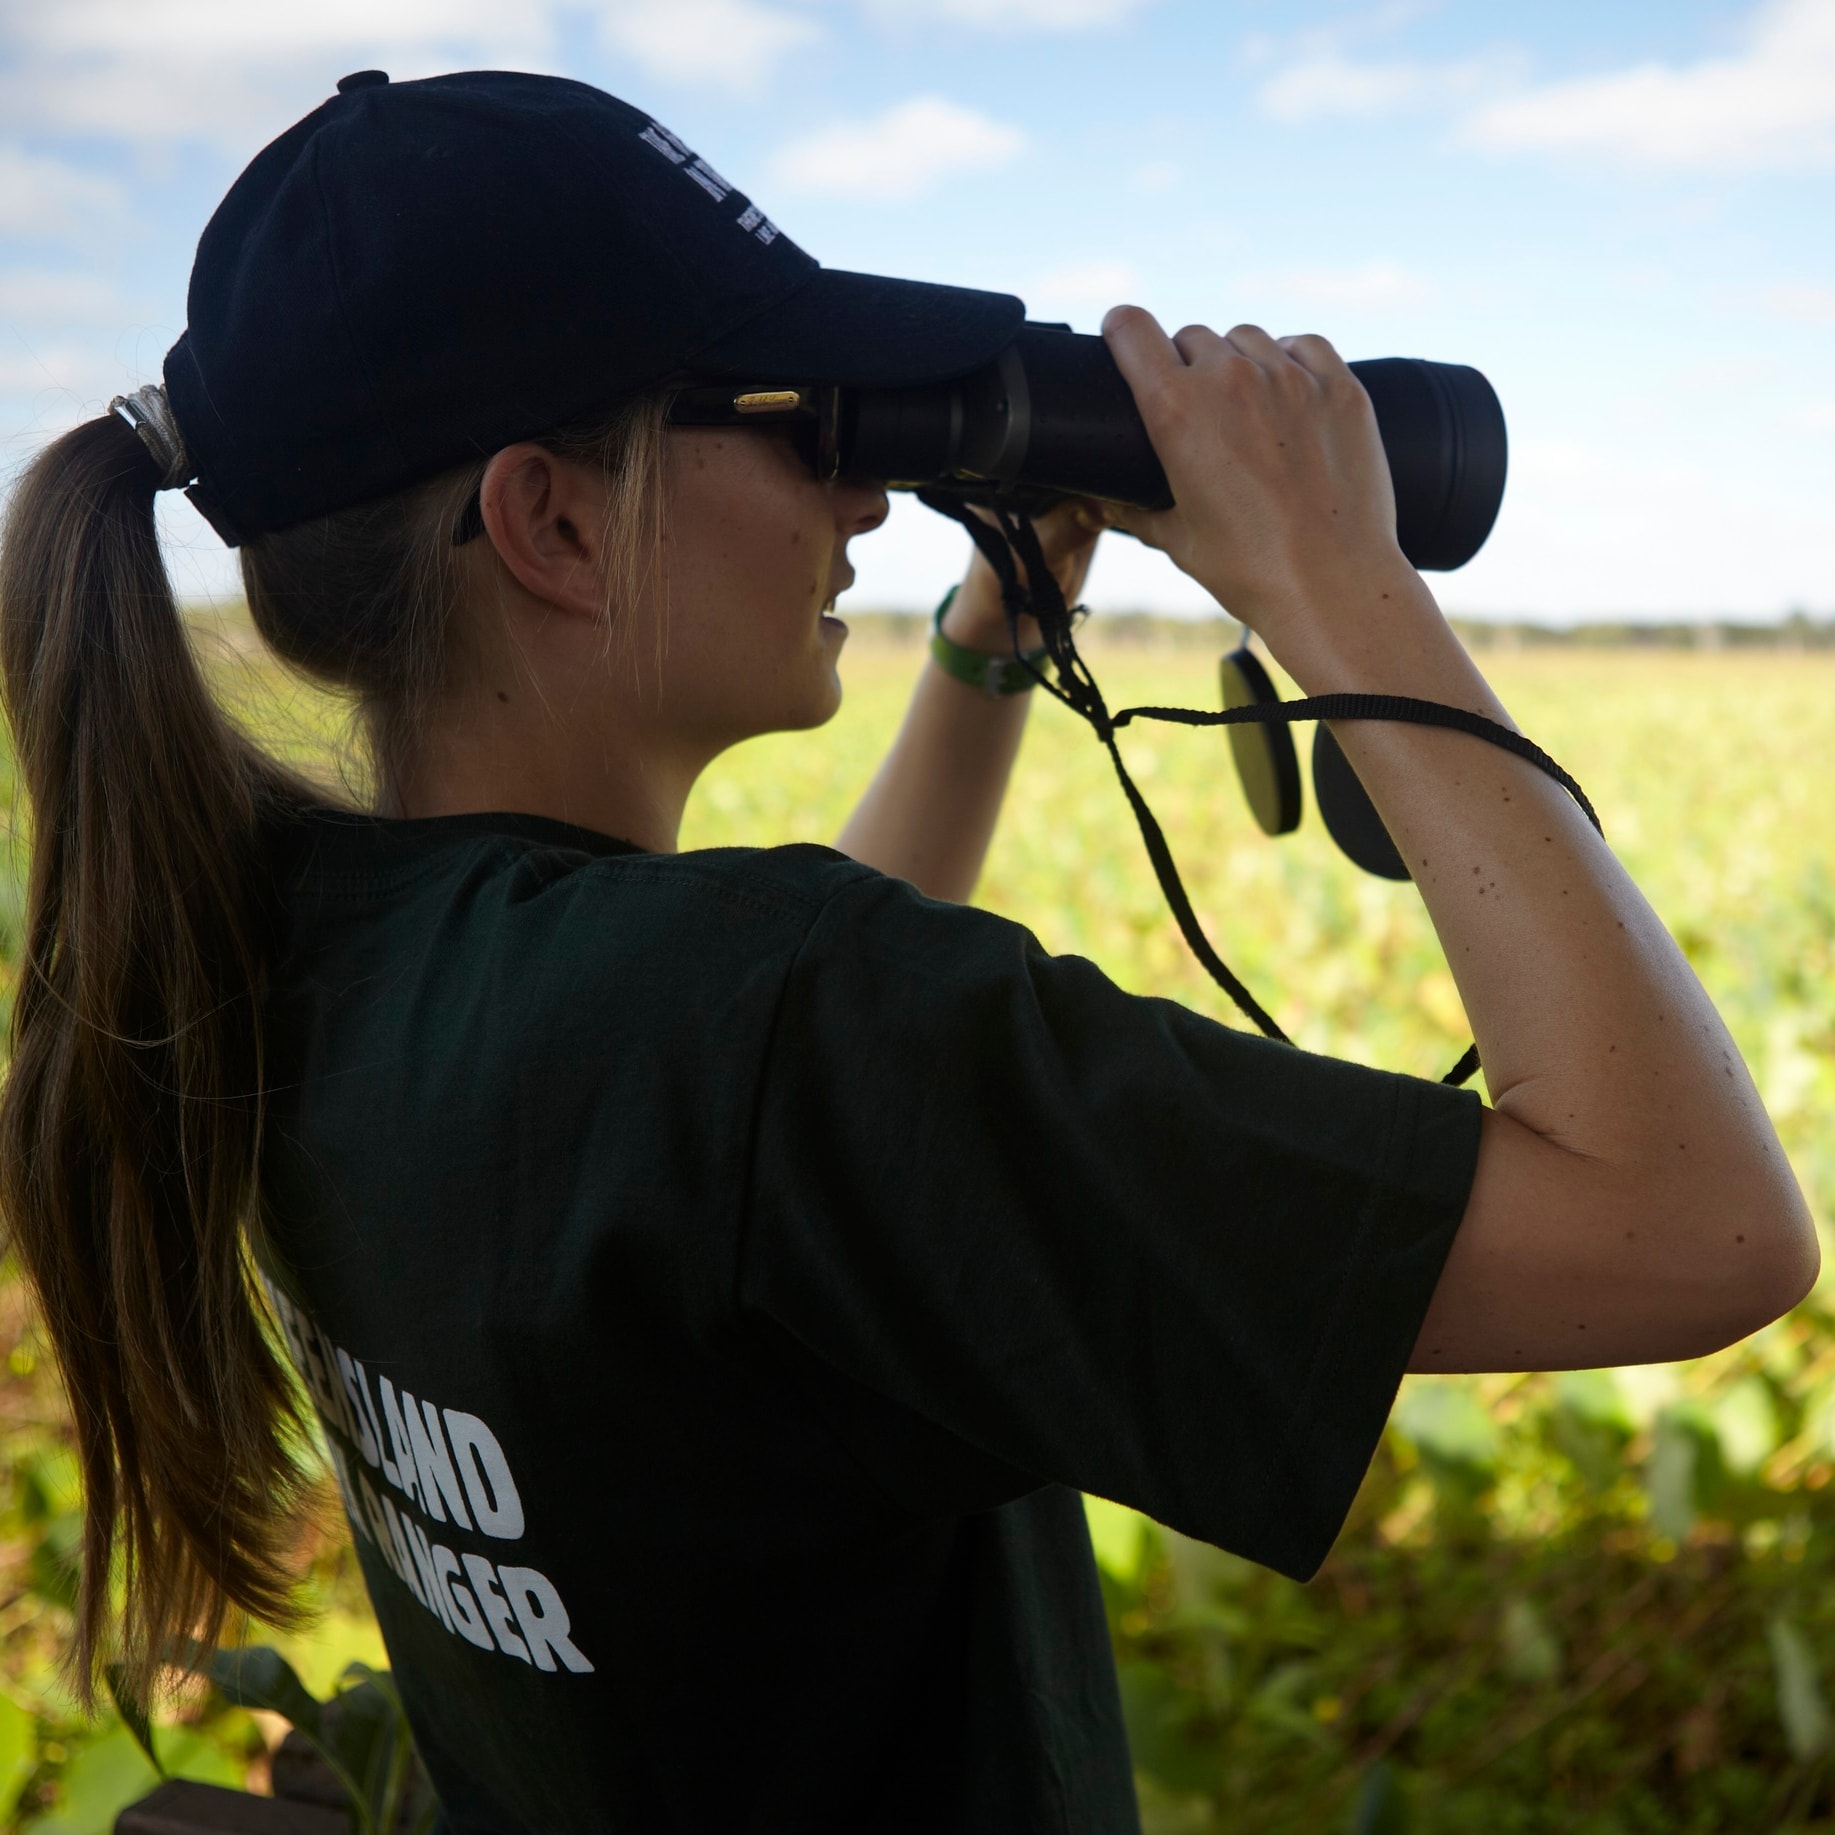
1621	213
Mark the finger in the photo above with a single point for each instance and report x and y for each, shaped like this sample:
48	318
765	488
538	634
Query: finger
1146	526
1068	532
1251	341
1068	525
1198	344
1315	353
1142	351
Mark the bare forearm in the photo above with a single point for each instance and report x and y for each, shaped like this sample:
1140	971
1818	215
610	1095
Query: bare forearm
929	814
930	811
1597	1038
1569	978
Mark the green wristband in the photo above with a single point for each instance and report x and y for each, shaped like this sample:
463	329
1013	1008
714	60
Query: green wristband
993	675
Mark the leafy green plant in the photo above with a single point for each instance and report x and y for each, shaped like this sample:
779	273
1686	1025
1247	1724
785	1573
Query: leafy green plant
18	1753
360	1732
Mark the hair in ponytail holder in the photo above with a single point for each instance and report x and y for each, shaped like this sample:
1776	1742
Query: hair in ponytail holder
150	415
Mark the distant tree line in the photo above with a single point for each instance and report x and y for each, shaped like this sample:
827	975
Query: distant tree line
1799	630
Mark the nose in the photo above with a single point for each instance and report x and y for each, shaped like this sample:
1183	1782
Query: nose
860	508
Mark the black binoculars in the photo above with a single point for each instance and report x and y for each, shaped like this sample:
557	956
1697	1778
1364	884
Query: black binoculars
1053	417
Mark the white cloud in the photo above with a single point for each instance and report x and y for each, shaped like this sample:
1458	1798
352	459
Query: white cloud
229	73
1081	290
1803	303
1011	15
232	73
59	298
1158	175
726	44
1768	107
1599	526
1326	84
1087	281
1086	285
48	384
43	198
231	30
900	153
1376	283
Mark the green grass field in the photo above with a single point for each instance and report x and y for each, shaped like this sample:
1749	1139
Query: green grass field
1599	1602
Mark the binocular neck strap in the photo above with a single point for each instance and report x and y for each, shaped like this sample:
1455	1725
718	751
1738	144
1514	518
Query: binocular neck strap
1008	541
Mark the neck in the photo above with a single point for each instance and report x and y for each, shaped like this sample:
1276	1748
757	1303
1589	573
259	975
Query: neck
515	754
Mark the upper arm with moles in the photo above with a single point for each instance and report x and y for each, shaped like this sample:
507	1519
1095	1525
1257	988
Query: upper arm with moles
1567	1262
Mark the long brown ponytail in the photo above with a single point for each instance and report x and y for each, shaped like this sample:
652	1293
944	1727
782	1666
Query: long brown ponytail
130	1119
131	1114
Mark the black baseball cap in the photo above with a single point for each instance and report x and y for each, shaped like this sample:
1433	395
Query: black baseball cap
420	273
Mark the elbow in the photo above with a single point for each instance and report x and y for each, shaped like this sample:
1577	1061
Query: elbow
1791	1263
1768	1261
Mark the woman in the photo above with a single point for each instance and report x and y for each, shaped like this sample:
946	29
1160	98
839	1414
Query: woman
716	1274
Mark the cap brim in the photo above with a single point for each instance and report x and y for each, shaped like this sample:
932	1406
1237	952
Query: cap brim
866	331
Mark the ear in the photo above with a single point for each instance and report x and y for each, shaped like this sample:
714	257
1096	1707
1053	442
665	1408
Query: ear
545	516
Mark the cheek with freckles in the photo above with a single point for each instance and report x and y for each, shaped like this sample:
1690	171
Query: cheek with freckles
746	517
752	545
797	544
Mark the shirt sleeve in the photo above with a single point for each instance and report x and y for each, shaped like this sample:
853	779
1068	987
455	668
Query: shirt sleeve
1089	1238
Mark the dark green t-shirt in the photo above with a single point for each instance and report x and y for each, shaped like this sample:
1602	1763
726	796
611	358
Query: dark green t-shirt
719	1274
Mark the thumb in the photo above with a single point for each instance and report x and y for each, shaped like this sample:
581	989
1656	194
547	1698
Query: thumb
1146	526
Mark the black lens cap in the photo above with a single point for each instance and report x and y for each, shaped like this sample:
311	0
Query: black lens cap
1266	763
1350	816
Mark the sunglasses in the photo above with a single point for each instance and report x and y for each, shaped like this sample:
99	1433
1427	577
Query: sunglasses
808	414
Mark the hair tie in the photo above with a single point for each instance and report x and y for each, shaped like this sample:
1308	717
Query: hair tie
150	415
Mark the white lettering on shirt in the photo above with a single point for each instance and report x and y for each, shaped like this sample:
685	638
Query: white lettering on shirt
543	1618
496	1607
404	1559
463	1607
367	1443
432	1593
434	1463
405	1474
449	1465
486	1472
